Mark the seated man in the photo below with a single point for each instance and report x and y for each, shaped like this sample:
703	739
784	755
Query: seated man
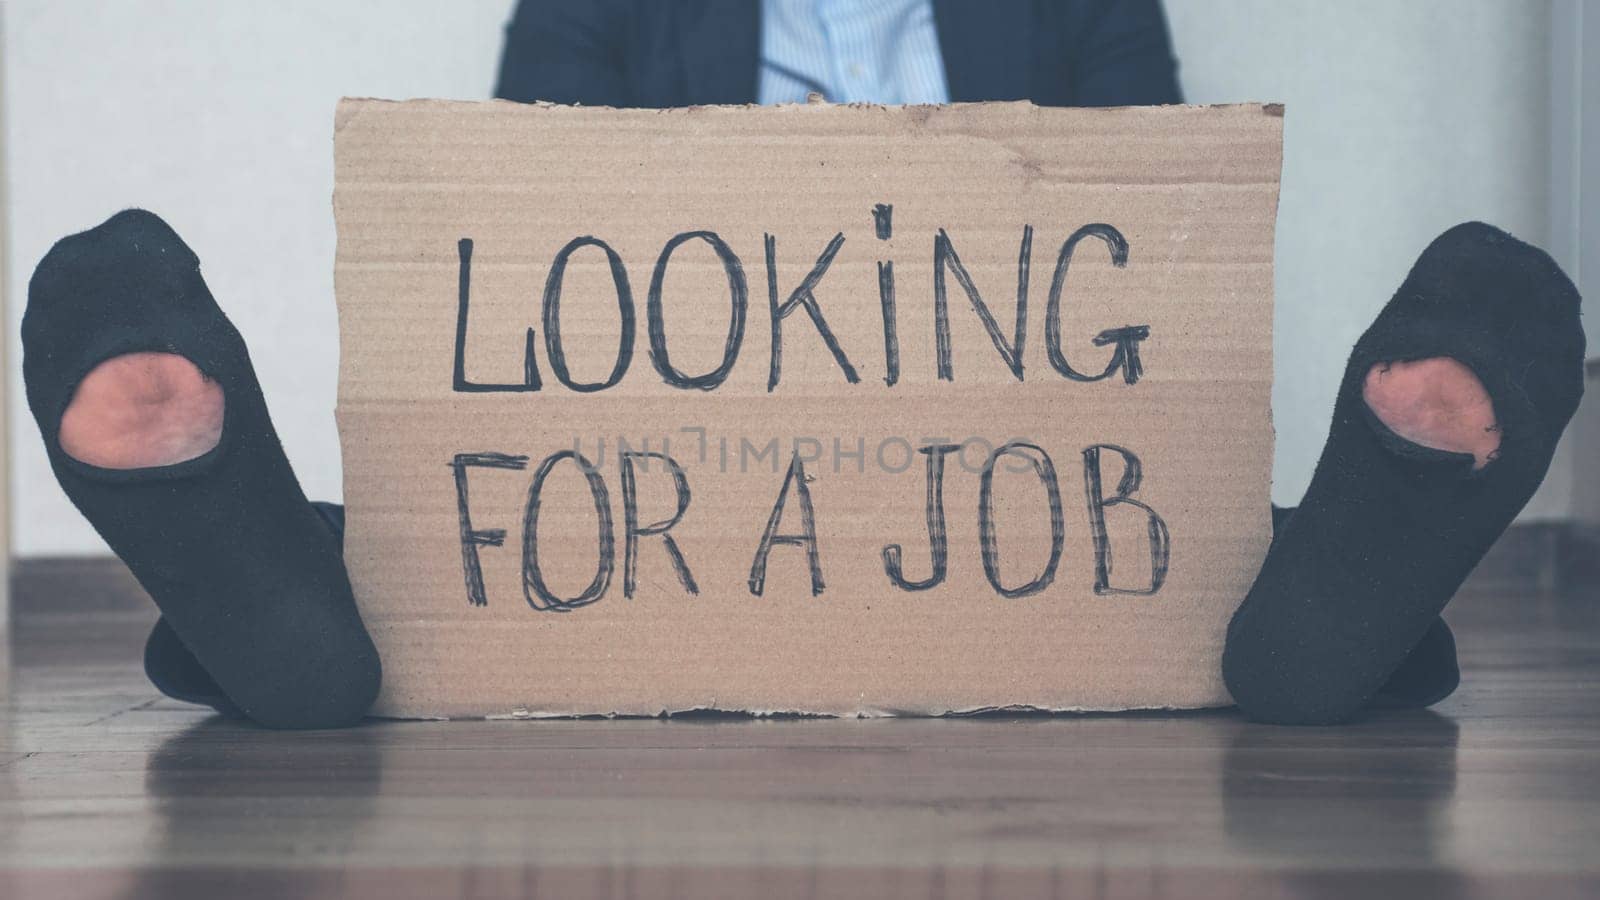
1446	420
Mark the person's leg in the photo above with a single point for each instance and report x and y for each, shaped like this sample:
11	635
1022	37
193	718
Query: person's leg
157	430
1445	423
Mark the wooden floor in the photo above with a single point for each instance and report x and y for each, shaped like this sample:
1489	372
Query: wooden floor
111	791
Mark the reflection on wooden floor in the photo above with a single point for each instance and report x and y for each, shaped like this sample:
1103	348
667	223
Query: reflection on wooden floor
110	791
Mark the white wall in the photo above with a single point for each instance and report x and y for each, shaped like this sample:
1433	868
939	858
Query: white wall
1403	119
1586	179
216	114
1575	195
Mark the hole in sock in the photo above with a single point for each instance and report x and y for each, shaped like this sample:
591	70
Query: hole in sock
141	410
1436	403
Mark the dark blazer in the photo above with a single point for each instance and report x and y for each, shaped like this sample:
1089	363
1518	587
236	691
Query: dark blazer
661	53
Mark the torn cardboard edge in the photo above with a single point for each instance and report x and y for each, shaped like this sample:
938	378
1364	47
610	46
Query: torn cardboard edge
348	108
1019	710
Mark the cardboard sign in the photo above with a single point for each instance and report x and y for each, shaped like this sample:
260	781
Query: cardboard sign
847	410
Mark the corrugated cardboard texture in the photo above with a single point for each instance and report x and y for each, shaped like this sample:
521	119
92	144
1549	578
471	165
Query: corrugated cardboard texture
451	219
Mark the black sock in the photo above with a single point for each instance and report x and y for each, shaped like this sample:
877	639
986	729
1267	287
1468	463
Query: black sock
240	564
1428	674
175	672
1388	529
173	669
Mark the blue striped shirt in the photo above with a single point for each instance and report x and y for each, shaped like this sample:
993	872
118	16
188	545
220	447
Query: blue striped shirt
850	51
